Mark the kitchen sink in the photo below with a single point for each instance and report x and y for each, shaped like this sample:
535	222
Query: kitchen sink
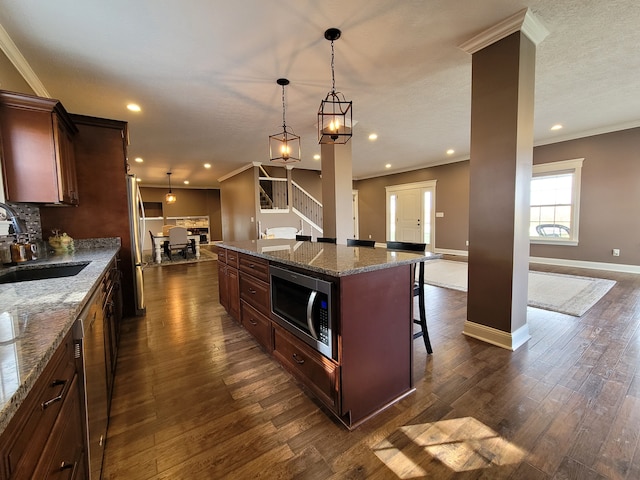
43	272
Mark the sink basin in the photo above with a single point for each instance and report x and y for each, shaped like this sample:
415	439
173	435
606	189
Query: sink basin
42	273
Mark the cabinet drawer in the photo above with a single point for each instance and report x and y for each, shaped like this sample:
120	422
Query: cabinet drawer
257	325
222	255
255	293
63	455
32	424
313	369
257	267
232	258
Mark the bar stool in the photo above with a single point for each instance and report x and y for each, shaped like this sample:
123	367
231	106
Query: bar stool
326	239
355	242
418	289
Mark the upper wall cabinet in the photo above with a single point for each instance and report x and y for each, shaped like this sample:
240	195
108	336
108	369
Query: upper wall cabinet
37	154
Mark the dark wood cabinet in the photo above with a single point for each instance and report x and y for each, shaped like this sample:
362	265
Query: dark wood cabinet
38	156
228	282
47	429
372	328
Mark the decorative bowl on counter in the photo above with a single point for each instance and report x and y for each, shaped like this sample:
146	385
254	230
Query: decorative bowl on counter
61	243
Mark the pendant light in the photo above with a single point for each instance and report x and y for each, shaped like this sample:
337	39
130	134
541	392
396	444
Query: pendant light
170	197
284	147
335	113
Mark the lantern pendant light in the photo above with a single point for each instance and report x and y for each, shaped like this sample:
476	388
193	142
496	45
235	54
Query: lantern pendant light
170	197
284	147
335	113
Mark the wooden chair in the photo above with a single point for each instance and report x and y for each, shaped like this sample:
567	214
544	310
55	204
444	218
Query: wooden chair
178	240
418	289
326	239
303	238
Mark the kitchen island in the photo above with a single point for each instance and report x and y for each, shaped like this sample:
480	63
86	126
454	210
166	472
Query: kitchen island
372	290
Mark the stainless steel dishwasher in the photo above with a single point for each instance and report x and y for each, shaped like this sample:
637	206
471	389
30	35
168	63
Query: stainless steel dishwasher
90	338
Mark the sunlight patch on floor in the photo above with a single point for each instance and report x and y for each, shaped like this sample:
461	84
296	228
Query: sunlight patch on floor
461	444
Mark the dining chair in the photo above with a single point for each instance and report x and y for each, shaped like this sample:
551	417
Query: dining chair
326	239
303	238
178	240
418	289
356	242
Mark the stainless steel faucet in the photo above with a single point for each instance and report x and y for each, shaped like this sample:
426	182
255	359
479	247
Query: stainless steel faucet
19	225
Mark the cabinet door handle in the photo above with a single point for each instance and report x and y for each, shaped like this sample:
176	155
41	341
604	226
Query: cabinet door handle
252	291
253	322
53	400
297	359
252	265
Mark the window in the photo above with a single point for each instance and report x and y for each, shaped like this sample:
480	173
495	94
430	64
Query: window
555	200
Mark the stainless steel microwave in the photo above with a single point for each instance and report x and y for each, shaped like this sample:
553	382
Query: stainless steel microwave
303	305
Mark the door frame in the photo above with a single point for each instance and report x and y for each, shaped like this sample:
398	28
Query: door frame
392	189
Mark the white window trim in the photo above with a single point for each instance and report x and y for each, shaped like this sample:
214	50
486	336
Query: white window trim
573	166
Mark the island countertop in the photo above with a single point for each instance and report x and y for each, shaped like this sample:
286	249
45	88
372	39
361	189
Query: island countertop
46	311
327	258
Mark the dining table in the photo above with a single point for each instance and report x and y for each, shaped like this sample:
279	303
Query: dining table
159	239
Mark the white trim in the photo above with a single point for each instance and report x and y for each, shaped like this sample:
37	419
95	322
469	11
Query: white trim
510	341
446	251
411	186
573	166
523	21
611	267
237	171
426	184
17	59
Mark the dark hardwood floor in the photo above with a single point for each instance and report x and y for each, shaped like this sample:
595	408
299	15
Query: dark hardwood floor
196	398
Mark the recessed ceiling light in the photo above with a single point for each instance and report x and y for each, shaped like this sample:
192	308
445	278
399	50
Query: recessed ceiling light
186	182
207	165
373	136
388	165
139	160
133	107
316	157
557	126
451	151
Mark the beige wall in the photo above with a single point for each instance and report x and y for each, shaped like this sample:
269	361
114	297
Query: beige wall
191	202
310	180
238	197
610	196
452	199
10	79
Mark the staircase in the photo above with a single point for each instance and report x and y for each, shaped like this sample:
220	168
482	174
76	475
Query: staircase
274	199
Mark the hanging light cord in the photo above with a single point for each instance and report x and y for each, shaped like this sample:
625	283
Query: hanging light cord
284	124
333	78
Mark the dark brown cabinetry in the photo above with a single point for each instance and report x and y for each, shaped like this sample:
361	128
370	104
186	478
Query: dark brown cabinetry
38	157
372	328
45	437
229	282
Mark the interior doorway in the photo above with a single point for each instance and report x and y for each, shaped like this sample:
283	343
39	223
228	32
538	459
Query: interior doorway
411	213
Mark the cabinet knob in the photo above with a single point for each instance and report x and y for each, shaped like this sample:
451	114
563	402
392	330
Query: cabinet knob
297	359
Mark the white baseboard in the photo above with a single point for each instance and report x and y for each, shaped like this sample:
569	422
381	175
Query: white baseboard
612	267
510	341
561	262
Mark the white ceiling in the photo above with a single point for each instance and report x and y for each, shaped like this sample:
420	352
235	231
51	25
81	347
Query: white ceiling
205	71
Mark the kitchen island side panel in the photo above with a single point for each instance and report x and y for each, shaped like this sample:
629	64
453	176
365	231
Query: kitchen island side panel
376	340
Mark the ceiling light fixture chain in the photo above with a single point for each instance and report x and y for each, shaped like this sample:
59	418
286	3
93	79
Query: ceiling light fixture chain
335	115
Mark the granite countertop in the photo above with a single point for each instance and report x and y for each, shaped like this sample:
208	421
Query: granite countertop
327	258
42	312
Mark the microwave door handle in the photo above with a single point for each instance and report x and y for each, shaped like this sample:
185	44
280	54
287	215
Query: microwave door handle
312	299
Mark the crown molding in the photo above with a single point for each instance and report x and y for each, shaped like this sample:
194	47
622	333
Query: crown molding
523	21
17	59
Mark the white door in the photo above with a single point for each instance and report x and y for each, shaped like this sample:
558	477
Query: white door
411	214
408	216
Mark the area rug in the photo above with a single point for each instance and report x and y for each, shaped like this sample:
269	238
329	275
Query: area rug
568	294
206	255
